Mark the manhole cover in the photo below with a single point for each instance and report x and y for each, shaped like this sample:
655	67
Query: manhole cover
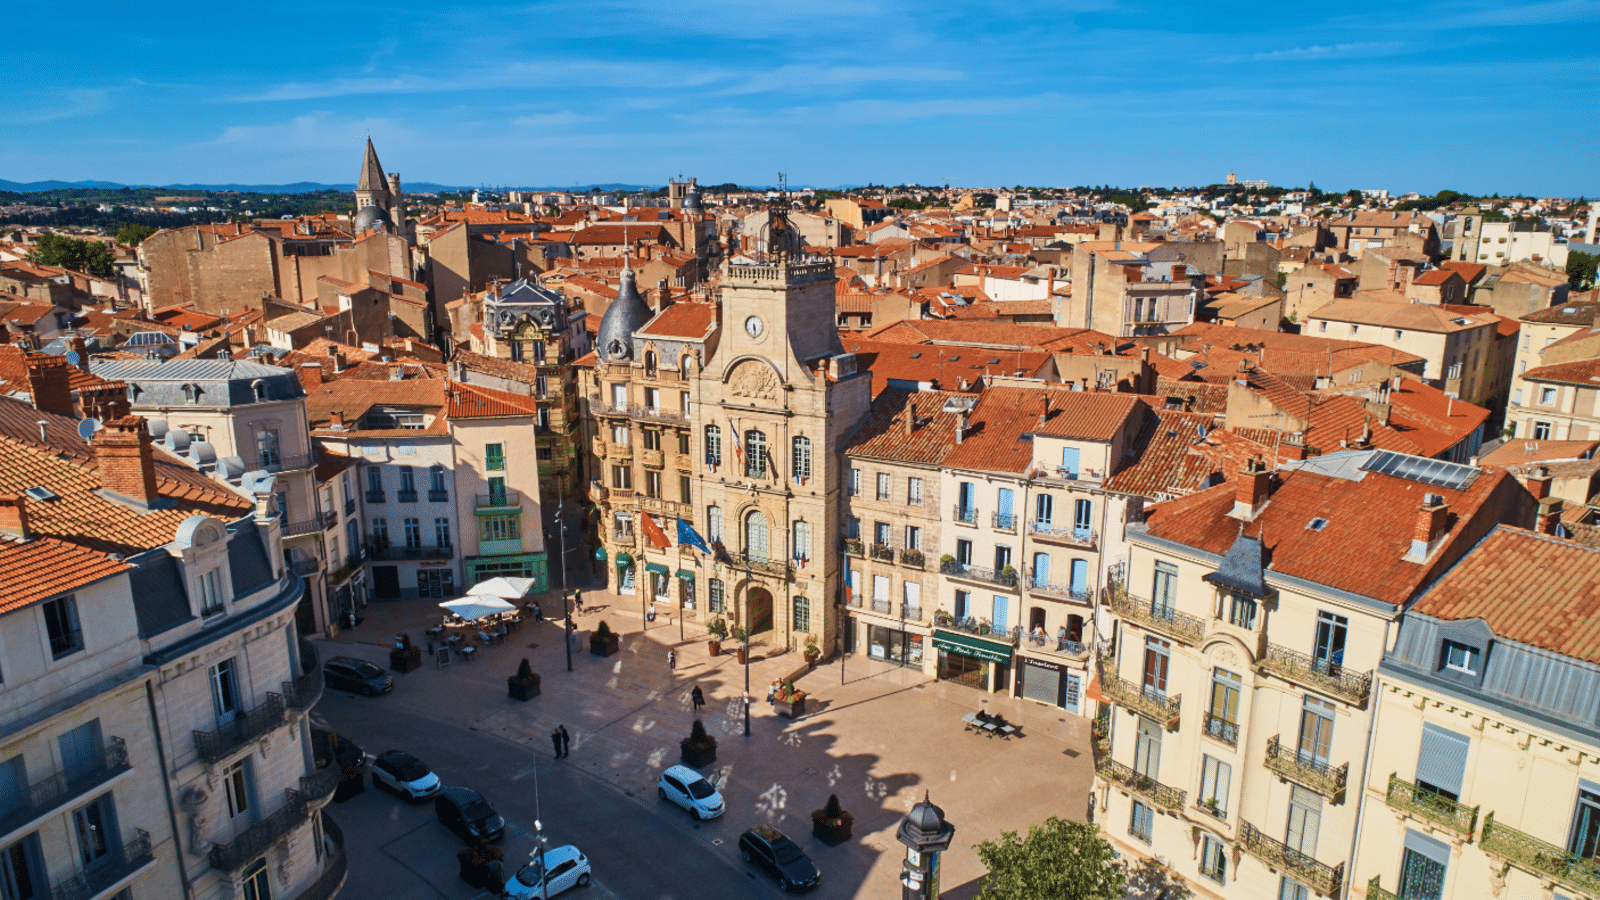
717	842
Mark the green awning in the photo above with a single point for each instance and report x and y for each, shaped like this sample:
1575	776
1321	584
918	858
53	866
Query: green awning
600	554
657	568
685	574
975	647
624	560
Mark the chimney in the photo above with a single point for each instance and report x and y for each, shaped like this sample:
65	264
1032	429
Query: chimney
14	515
339	362
311	377
1431	519
336	420
1293	446
76	345
910	419
104	401
126	461
47	381
1251	489
1548	522
1044	410
961	427
1539	483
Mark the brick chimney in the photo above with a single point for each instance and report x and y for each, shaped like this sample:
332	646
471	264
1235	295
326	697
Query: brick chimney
126	460
1548	521
1539	482
47	381
1251	489
311	377
104	401
1432	518
14	515
76	345
336	419
1044	410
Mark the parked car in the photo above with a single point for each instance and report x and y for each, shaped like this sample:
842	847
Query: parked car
684	786
405	775
327	746
780	857
563	868
346	673
465	812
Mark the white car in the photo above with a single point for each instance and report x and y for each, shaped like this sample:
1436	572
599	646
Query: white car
405	775
684	786
566	867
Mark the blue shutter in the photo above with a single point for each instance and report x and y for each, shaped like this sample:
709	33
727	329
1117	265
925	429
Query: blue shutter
1005	502
1041	569
1080	576
1069	461
1000	609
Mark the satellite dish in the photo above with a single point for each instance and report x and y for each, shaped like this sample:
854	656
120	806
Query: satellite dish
87	428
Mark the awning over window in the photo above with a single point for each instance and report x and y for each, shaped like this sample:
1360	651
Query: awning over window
657	568
624	560
686	574
969	645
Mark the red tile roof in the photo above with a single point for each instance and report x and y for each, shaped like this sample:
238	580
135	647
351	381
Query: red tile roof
1582	372
882	434
474	401
683	319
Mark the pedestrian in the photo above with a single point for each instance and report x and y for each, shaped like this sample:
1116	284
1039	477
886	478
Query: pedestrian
577	601
566	742
672	659
555	738
538	614
698	698
772	691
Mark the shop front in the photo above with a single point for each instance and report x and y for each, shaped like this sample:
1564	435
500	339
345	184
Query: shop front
972	661
1049	682
686	579
902	648
623	583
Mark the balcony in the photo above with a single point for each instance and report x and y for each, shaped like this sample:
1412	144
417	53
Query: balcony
665	507
1057	590
438	496
304	566
215	746
1438	809
1543	859
624	536
302	693
334	866
1164	797
1326	780
1292	665
1056	645
1177	625
60	789
1006	577
1221	729
765	565
1375	891
498	500
318	787
977	628
884	607
658	414
910	611
965	515
912	559
259	838
599	446
683	462
301	527
852	546
1064	535
652	459
598	492
375	496
1150	703
348	566
420	551
882	552
404	496
86	883
1003	522
1320	877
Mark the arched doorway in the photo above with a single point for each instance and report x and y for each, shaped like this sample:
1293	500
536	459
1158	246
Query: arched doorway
759	601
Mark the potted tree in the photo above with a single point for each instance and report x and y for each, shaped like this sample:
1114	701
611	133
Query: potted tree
524	685
719	630
1008	575
812	651
947	565
603	641
831	824
739	638
405	656
699	748
789	701
480	866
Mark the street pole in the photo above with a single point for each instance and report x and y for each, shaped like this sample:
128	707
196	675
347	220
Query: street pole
566	618
747	646
544	881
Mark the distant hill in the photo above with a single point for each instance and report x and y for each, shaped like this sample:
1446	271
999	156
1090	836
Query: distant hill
35	187
299	187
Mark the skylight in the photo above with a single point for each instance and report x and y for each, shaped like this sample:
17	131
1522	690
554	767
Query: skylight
44	495
1317	524
1436	472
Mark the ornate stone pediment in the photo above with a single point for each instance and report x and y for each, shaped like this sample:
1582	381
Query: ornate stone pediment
755	380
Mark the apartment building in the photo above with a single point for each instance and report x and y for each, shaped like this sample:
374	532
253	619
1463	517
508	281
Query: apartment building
1541	329
1459	346
153	738
1486	731
1559	402
496	485
1118	290
1236	692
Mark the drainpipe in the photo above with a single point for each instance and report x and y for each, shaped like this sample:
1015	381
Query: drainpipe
166	788
1366	763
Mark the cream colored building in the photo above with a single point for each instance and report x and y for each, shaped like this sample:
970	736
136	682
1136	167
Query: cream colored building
1537	331
1560	402
1459	347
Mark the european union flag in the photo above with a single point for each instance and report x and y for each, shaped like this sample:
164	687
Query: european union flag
688	537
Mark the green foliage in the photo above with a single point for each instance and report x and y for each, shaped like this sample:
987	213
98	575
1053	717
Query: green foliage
603	632
130	235
1059	860
698	739
1581	269
74	254
718	627
524	671
738	632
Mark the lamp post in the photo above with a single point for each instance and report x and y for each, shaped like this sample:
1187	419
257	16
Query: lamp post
566	617
544	880
746	625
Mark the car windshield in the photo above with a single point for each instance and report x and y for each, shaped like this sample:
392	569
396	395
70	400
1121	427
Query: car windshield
476	811
700	789
368	670
529	875
786	851
407	768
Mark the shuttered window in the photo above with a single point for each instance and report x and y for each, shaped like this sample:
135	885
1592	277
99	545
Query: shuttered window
1305	820
1147	749
1442	761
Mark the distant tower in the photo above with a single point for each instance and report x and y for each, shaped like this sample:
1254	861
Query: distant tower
378	196
678	191
1233	178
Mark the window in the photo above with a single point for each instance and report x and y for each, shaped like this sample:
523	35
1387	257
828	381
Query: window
61	624
1213	859
257	886
95	824
1222	720
1316	731
236	780
1005	501
1044	509
652	483
413	530
622	478
755	536
800	464
1442	761
1547	396
1242	610
619	435
755	454
685	489
1305	820
1142	822
1422	867
1461	658
880	589
436	484
650	369
441	533
913	537
652	439
683	442
408	481
683	404
380	532
1328	653
494	457
1585	842
852	528
82	751
509	528
963	552
718	604
619	397
963	604
538	352
1147	749
802	544
855	482
914	491
225	690
880	533
802	614
1069	462
516	350
267	447
1215	778
1516	395
1323	326
541	386
1082	517
1165	594
210	597
374	480
1289	889
1157	655
13	785
713	445
714	523
1001	607
1398	334
1541	431
883	485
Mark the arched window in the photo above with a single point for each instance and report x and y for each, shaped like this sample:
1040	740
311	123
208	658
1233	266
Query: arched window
713	445
259	389
191	393
685	364
714	523
800	466
755	536
802	543
755	454
650	363
802	614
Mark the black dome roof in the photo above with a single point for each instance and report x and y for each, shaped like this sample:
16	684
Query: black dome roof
623	317
369	217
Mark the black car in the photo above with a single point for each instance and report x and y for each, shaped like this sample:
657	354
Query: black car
346	673
768	848
329	747
465	812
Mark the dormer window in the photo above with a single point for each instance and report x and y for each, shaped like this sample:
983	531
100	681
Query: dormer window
191	393
1462	658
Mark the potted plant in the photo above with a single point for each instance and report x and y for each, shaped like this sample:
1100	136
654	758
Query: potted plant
603	641
1211	806
405	656
947	564
1008	575
789	701
480	866
940	617
831	824
524	685
739	638
812	651
699	748
719	630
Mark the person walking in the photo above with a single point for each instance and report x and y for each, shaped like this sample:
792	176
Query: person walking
577	601
698	698
566	742
672	659
538	614
555	738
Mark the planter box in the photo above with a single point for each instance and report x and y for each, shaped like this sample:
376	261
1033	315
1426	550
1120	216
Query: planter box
811	661
351	782
738	654
832	834
522	690
483	876
406	660
789	709
601	647
714	647
694	758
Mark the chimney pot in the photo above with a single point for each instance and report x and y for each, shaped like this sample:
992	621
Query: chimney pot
14	515
1539	482
1251	489
1549	520
1432	518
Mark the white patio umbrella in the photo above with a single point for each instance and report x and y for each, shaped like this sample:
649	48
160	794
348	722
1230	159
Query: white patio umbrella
477	607
504	587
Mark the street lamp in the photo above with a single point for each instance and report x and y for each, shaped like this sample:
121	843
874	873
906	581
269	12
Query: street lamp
566	617
747	643
544	881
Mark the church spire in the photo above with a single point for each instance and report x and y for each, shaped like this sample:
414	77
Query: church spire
372	172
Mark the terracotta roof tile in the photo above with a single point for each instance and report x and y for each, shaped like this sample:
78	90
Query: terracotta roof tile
474	401
683	320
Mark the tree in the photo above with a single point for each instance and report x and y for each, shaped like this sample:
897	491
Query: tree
131	235
74	254
1059	860
1581	270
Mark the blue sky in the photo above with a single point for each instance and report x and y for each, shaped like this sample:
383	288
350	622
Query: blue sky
1474	96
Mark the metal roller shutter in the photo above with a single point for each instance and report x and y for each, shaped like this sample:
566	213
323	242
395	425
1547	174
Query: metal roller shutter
1040	684
1443	759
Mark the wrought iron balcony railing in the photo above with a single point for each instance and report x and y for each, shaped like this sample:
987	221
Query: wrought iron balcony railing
1375	891
1329	781
912	558
1164	797
335	866
1221	729
1527	852
778	567
438	496
1068	535
978	627
299	527
375	496
86	883
1436	808
852	546
1037	584
302	693
1146	702
1300	668
405	496
401	551
61	788
214	746
966	515
259	838
1006	577
321	783
1320	877
1003	521
1164	619
881	551
493	499
911	611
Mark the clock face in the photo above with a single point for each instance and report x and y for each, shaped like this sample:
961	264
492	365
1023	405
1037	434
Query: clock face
753	326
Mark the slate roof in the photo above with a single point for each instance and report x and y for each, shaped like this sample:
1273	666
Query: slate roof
1241	570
